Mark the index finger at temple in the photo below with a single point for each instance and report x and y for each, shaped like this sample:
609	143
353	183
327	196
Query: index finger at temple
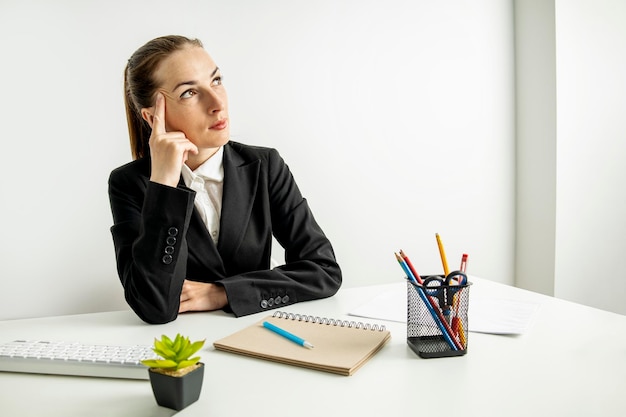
159	114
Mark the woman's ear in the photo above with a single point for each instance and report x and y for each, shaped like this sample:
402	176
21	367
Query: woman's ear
148	115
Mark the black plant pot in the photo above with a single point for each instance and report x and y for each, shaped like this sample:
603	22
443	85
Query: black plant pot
177	392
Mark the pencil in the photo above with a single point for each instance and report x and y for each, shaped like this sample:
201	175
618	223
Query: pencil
442	253
463	266
410	265
406	269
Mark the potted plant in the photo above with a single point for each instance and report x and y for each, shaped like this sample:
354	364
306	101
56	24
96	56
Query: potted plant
176	379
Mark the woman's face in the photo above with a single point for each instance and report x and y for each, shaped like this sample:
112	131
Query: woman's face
195	99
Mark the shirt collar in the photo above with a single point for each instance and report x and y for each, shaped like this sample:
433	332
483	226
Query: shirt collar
212	169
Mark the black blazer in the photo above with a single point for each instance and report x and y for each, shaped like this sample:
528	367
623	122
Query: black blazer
160	239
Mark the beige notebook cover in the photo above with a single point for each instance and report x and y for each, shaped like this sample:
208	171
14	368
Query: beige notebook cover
337	349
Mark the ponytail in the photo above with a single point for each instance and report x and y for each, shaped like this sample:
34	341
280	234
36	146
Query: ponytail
138	130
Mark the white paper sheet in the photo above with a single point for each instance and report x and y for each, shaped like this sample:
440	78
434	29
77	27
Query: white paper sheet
485	315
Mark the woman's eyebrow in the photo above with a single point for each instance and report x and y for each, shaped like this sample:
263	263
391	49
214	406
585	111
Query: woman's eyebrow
193	82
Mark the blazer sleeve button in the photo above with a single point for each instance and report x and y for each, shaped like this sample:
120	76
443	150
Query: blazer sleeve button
285	299
264	304
172	231
167	259
171	240
169	250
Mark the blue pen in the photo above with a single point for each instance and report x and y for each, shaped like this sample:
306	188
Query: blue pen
287	335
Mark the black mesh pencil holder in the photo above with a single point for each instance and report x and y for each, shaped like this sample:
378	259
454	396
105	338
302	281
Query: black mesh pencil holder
437	317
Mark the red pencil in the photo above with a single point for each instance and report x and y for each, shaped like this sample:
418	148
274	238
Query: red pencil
463	263
410	265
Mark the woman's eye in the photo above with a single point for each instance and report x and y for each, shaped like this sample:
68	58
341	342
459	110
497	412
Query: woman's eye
188	94
217	80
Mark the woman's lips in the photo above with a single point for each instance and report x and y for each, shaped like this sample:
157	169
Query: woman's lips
220	125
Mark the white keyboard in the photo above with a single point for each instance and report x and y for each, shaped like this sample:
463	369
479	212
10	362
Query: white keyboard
63	358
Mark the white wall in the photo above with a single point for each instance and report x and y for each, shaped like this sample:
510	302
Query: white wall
571	131
591	143
396	117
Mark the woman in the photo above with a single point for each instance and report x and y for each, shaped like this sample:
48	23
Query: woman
194	213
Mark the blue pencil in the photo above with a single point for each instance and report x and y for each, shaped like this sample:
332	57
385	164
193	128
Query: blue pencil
406	269
286	334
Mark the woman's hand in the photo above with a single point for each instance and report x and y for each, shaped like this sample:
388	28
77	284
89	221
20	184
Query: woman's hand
202	296
168	150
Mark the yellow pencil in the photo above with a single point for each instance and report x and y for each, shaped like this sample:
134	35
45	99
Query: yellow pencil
442	252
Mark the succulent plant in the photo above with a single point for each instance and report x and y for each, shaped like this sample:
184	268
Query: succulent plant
175	353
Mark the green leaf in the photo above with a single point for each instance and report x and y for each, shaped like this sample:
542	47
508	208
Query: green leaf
178	343
180	353
185	352
194	347
162	350
166	341
159	363
189	362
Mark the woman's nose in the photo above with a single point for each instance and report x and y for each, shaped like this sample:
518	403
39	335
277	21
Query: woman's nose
215	102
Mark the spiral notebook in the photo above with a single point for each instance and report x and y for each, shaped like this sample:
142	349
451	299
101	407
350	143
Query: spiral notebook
341	347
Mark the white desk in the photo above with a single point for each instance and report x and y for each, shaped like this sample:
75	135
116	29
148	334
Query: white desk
572	362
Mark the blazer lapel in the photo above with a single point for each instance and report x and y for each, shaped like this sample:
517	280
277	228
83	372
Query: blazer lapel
240	186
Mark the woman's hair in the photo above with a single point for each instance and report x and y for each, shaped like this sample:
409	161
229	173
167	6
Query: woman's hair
140	86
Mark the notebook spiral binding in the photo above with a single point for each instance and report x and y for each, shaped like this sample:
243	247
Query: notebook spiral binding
328	321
